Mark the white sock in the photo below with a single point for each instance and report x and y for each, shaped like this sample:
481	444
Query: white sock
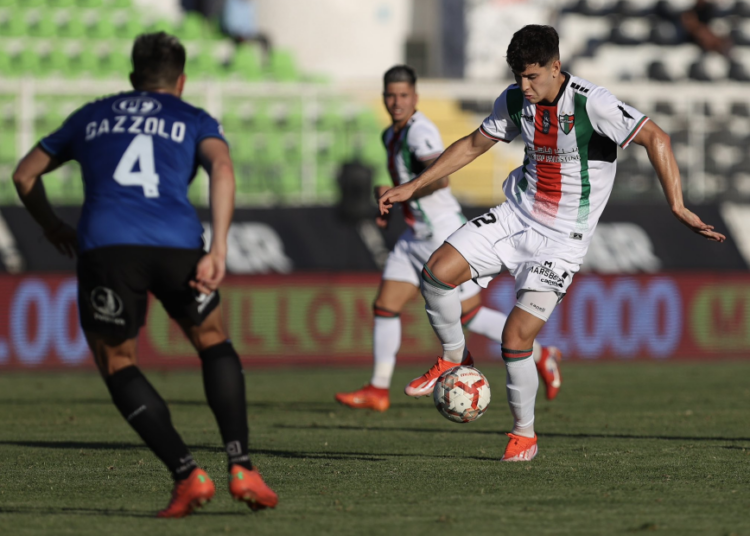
386	340
521	384
443	308
490	323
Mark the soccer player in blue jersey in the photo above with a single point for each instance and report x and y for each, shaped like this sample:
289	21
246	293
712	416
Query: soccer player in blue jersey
138	233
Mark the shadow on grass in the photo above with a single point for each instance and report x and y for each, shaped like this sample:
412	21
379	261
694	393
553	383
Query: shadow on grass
464	430
108	512
300	406
99	445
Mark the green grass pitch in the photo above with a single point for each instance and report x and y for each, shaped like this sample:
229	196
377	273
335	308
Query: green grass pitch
626	448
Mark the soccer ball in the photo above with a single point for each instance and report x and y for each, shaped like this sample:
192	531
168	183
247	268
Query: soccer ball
462	394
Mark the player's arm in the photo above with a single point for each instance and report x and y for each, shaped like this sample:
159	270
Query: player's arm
215	159
430	188
459	154
30	188
659	149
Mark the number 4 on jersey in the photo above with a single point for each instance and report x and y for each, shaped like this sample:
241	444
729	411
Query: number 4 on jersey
140	151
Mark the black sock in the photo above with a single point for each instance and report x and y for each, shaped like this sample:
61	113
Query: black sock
148	414
224	383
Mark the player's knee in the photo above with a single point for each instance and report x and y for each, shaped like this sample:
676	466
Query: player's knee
207	336
447	267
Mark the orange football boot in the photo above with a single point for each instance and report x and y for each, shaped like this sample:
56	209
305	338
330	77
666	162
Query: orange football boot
520	449
425	384
248	486
368	397
189	494
549	370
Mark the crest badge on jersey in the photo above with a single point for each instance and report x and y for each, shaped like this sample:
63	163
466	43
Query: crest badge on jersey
567	122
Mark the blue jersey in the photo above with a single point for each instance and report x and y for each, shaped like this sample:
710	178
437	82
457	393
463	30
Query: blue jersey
138	153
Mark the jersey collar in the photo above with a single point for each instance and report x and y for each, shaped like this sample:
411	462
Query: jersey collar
559	93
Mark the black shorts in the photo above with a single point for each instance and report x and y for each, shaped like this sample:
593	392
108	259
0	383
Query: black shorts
113	283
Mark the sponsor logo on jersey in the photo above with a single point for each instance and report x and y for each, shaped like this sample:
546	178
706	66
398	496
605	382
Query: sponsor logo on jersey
625	113
528	118
546	122
567	121
138	105
107	305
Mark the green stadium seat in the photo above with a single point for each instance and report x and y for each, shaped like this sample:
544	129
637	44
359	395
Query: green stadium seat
87	64
9	3
163	25
192	27
104	28
246	63
132	27
282	66
61	3
16	25
75	28
6	64
33	3
204	65
8	145
121	4
117	64
45	25
91	4
242	147
57	62
29	63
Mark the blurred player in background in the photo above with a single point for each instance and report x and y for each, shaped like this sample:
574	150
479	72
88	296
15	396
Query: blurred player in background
413	143
571	129
138	233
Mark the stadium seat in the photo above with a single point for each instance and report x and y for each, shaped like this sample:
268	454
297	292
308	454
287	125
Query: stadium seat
282	66
192	27
45	25
16	24
104	28
75	28
246	63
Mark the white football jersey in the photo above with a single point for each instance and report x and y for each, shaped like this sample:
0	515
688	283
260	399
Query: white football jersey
408	150
571	150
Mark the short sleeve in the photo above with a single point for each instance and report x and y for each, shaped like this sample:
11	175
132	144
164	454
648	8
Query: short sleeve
612	118
59	144
208	127
424	141
499	126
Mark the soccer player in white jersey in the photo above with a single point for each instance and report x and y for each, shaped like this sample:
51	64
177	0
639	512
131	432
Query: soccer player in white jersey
413	143
570	129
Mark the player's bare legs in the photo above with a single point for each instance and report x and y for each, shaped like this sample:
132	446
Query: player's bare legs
224	385
386	341
149	416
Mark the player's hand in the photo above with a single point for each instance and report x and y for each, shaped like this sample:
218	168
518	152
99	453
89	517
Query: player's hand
695	223
382	221
64	238
209	273
399	194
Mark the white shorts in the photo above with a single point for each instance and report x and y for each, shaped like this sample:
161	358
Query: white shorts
499	240
408	257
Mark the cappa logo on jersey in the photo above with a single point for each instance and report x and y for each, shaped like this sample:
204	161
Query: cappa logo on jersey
107	305
140	105
567	121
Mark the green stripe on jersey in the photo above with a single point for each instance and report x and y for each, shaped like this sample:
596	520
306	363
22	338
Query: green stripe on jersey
584	131
514	104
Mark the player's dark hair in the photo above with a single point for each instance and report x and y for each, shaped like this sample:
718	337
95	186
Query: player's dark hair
158	61
399	73
533	44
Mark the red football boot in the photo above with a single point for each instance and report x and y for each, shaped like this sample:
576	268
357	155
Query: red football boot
549	370
189	494
368	397
248	486
425	384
